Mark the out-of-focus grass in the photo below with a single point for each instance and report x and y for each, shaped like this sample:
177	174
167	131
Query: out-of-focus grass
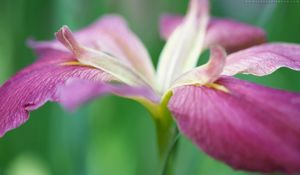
112	135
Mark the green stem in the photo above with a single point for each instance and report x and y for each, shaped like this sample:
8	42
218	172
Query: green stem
167	166
167	132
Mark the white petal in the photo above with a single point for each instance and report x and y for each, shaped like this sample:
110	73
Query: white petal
184	47
204	74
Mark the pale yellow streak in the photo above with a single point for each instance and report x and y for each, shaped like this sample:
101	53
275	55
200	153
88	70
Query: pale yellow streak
73	63
218	87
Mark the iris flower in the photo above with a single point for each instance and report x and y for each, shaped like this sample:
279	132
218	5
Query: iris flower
245	125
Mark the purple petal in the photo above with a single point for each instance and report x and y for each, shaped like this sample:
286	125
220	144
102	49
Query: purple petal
251	127
109	34
263	59
219	32
35	85
78	91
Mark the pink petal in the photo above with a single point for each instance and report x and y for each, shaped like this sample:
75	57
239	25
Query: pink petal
78	91
35	85
220	32
251	127
101	60
168	23
263	59
109	34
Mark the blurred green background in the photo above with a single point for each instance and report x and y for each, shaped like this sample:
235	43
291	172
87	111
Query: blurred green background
113	135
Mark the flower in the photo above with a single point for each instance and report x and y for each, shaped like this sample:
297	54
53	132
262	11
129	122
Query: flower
245	125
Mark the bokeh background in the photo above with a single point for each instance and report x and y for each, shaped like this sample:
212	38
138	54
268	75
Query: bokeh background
113	135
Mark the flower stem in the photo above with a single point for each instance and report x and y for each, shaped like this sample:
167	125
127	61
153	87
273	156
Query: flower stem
167	166
167	132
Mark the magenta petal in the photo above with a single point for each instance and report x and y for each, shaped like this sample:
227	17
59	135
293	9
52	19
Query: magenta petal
95	36
35	85
263	59
112	35
251	128
219	32
78	91
168	24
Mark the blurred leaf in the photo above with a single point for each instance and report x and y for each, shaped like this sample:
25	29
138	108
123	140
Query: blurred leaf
27	164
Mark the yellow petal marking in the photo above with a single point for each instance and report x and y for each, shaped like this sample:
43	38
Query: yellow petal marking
74	63
218	87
